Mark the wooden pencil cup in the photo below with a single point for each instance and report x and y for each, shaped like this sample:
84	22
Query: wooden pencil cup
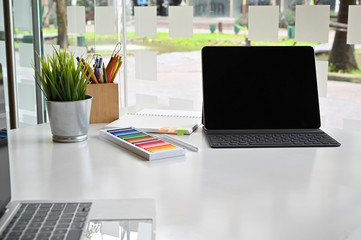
105	105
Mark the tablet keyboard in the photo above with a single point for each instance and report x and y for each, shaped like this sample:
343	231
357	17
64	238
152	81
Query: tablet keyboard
319	139
47	221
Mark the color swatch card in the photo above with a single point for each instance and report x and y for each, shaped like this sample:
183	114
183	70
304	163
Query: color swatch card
180	21
145	21
263	23
312	23
141	143
105	20
353	27
76	19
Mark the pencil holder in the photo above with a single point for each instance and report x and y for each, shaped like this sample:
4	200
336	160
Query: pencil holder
105	105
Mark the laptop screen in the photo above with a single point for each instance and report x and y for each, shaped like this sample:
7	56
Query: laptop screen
259	88
4	153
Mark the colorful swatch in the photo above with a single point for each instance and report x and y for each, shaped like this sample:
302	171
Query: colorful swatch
142	140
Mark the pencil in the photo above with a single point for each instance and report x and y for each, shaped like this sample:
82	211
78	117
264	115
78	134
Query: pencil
110	67
92	76
104	74
115	74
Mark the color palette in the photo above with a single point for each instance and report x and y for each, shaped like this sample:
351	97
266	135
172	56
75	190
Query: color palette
142	143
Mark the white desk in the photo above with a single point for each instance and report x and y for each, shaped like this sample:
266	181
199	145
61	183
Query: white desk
251	194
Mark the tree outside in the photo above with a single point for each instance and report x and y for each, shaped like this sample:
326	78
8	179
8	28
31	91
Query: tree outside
62	24
342	56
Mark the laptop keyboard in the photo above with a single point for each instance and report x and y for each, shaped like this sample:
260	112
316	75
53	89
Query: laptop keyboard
47	221
319	139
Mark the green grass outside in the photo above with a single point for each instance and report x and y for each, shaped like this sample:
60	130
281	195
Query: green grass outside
164	44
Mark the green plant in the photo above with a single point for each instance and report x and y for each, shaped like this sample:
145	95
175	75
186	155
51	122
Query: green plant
287	19
60	78
242	21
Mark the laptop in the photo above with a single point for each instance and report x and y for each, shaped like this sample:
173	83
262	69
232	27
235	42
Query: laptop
261	96
65	219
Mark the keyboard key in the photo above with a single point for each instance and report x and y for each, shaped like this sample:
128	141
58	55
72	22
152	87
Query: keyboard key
79	219
41	214
46	229
32	230
62	225
77	225
28	236
32	206
58	237
70	207
74	234
49	223
46	205
81	214
88	205
58	207
84	209
60	231
65	220
56	213
15	234
19	228
34	225
44	234
29	212
52	218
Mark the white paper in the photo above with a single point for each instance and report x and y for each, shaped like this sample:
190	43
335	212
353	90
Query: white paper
169	113
145	21
26	53
181	21
146	65
312	23
76	19
22	15
322	76
353	26
105	20
263	23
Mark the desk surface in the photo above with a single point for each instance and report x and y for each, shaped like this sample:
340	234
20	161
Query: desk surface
253	194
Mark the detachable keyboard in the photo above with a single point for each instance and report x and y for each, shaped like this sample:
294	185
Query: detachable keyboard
47	221
254	140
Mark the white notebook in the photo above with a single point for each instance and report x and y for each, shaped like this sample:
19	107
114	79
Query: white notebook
160	121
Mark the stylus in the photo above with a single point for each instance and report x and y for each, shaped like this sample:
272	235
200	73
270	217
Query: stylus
180	143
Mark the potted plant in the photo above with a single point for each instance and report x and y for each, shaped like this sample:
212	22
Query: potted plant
64	84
